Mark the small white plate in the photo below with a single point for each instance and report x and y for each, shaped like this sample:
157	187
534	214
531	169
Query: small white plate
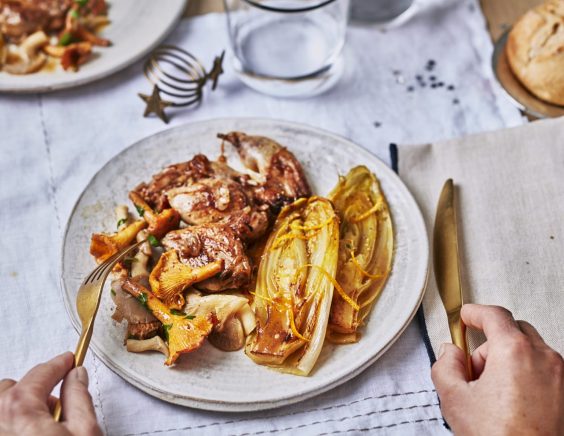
215	380
136	27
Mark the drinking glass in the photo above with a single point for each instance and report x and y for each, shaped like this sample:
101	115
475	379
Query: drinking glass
287	48
383	12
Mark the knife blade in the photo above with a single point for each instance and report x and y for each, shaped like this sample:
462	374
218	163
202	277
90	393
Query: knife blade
447	268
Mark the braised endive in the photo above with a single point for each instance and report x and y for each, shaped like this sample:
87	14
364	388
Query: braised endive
365	251
294	287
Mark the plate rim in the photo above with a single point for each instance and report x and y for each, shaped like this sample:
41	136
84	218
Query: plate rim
246	406
45	89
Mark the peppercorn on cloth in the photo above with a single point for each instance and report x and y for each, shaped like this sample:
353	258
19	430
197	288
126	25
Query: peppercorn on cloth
510	195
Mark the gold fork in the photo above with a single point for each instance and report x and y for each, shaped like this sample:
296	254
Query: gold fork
87	302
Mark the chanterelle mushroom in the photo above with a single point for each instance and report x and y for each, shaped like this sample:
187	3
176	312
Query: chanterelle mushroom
30	59
159	223
184	333
170	278
3	51
103	246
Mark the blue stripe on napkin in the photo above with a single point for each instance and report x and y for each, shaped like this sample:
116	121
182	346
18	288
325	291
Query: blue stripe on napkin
394	158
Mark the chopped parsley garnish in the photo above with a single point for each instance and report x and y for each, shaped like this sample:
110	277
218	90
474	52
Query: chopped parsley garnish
153	241
81	3
140	210
66	39
120	222
166	327
180	313
128	261
142	298
74	14
113	292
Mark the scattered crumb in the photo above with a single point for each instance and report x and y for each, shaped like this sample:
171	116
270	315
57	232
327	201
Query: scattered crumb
13	274
551	237
399	77
377	124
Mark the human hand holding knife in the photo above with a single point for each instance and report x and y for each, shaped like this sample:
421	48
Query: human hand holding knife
447	270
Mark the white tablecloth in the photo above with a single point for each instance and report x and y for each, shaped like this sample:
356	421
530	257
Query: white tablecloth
51	145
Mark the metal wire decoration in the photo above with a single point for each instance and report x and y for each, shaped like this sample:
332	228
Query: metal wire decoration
180	76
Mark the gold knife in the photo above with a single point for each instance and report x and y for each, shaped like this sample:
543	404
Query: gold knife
447	270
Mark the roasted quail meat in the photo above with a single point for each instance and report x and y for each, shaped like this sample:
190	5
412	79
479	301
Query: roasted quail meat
220	199
284	178
174	176
20	18
199	245
226	210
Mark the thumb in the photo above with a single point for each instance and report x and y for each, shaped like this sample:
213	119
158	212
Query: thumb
78	409
449	371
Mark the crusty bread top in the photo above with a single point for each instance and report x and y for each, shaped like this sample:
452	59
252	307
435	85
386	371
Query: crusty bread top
535	51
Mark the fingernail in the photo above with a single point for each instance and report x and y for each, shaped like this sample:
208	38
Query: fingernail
441	350
82	375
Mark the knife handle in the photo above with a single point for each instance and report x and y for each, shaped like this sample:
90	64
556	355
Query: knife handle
458	334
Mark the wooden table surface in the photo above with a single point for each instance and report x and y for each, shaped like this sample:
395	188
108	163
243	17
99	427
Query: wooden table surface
500	14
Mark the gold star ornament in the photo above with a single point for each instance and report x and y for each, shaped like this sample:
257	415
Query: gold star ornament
176	74
155	104
217	70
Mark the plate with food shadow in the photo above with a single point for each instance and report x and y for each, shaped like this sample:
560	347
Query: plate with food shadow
280	261
47	45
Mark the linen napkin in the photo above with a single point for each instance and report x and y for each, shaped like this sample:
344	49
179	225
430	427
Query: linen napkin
510	187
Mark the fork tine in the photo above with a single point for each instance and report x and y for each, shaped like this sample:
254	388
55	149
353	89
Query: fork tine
108	264
106	267
91	277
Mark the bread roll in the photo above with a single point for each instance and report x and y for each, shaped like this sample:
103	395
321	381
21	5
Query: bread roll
535	51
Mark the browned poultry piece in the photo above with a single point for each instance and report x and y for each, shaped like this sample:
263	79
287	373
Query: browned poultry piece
227	209
20	18
220	200
284	178
199	245
174	176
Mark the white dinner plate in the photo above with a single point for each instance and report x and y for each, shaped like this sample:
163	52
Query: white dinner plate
136	27
216	380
